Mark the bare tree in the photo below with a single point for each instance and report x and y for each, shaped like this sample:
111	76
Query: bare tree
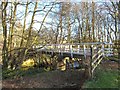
93	19
4	25
112	11
24	26
31	24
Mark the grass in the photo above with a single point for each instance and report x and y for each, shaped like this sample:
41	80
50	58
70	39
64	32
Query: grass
104	78
26	70
112	58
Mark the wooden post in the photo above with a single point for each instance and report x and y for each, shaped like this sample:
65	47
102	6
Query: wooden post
65	48
84	50
91	60
78	48
52	53
69	47
60	47
57	47
111	48
103	50
61	50
71	51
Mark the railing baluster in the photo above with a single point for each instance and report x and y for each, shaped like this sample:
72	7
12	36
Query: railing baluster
84	50
61	50
78	48
91	67
71	51
103	50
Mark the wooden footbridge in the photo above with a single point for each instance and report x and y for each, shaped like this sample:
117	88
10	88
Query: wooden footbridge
76	50
93	53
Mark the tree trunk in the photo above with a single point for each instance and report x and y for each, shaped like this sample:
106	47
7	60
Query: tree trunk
4	25
119	29
31	24
93	20
61	31
24	24
12	26
69	30
79	31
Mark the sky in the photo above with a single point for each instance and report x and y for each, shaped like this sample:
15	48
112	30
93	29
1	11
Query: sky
62	0
39	16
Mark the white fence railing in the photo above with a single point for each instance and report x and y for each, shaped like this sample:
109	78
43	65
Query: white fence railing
82	48
108	51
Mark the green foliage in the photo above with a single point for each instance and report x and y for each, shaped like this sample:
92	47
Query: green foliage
103	79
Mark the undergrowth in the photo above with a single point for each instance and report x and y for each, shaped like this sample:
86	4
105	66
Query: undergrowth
19	73
104	78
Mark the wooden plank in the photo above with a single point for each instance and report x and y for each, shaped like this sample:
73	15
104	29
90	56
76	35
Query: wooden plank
93	63
90	43
97	58
108	49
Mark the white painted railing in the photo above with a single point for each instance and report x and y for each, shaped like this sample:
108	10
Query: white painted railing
108	51
82	48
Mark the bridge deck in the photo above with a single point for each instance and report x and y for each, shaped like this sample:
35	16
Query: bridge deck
73	54
64	54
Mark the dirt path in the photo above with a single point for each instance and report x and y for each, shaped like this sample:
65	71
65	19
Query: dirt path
53	79
110	64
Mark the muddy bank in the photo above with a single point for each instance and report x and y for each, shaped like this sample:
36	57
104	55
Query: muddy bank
52	79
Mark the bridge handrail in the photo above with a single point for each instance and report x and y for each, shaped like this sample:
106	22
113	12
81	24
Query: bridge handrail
90	43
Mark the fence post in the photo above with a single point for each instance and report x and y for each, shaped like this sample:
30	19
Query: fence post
111	49
59	47
62	50
71	51
91	60
65	48
103	49
84	49
78	48
69	47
